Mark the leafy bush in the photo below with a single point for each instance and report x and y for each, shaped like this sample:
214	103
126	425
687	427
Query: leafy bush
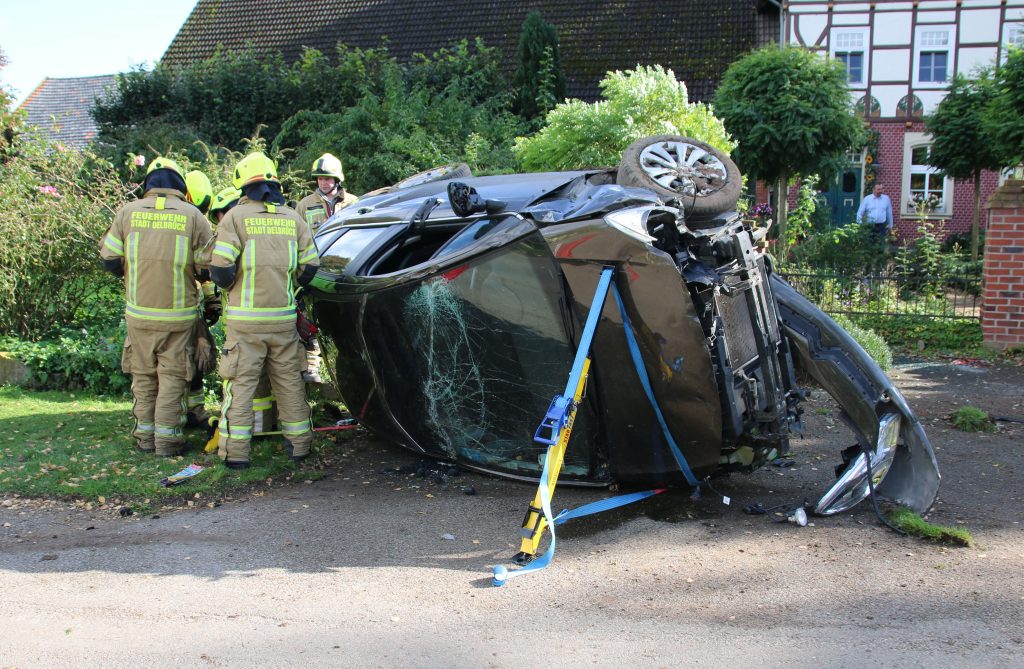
921	262
972	419
851	249
55	204
11	122
801	218
439	110
637	103
1004	117
384	119
227	97
869	340
948	335
74	359
957	242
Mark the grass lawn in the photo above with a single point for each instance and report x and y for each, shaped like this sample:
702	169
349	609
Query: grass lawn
61	445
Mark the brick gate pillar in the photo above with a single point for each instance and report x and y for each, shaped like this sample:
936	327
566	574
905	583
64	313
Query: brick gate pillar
1002	311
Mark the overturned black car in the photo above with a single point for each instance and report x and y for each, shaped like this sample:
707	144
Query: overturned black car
456	305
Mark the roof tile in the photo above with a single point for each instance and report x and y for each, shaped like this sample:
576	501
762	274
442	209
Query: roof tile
698	40
60	107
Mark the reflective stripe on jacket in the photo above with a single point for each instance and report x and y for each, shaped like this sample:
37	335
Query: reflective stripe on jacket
316	209
157	239
270	245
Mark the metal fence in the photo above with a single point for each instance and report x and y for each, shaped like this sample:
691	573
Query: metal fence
947	294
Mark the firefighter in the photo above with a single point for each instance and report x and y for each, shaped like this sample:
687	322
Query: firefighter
223	202
329	197
153	243
262	250
199	191
263	405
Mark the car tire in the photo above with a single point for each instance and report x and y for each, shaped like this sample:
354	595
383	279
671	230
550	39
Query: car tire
442	173
675	167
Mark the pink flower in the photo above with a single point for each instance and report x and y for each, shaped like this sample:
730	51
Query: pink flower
139	160
49	190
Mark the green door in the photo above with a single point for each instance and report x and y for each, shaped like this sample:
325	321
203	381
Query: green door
844	194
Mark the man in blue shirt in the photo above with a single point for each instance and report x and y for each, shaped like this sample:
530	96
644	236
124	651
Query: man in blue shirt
876	210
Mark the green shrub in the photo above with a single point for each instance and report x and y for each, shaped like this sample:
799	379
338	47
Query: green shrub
850	249
384	119
869	340
946	335
55	204
405	121
637	103
800	223
920	262
972	419
74	359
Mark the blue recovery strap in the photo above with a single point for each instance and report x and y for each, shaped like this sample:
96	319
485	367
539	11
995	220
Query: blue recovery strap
555	421
605	505
645	381
558	413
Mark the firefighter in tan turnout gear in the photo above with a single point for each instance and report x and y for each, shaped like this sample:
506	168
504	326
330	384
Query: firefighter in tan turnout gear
199	191
263	251
329	197
153	244
264	408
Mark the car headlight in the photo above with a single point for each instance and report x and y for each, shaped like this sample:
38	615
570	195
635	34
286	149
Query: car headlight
632	221
852	486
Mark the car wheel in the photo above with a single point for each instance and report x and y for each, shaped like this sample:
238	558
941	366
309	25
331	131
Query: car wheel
704	179
443	173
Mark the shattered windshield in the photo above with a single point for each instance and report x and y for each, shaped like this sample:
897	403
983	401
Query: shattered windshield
470	359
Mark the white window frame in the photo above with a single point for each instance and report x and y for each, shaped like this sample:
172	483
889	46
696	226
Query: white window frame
834	48
908	208
919	48
1013	35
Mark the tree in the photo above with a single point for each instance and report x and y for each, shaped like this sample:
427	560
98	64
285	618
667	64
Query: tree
1004	118
10	121
790	111
637	103
961	146
539	81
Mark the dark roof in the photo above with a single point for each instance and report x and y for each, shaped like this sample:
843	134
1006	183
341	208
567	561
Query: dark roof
696	39
60	107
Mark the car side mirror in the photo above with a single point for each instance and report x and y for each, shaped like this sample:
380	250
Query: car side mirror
464	199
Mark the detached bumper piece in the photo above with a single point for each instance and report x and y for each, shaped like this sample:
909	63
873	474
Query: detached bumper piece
903	465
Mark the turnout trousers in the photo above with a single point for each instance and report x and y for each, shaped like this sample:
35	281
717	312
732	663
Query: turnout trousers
246	355
160	363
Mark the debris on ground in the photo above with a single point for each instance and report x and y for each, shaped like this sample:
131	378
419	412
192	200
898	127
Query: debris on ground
182	476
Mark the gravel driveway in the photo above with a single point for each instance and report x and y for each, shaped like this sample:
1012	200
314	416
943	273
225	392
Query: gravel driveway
378	567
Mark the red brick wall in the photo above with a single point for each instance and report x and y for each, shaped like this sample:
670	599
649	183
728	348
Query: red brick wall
1002	312
890	175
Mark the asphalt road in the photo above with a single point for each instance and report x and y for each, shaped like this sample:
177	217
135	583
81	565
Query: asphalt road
378	568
